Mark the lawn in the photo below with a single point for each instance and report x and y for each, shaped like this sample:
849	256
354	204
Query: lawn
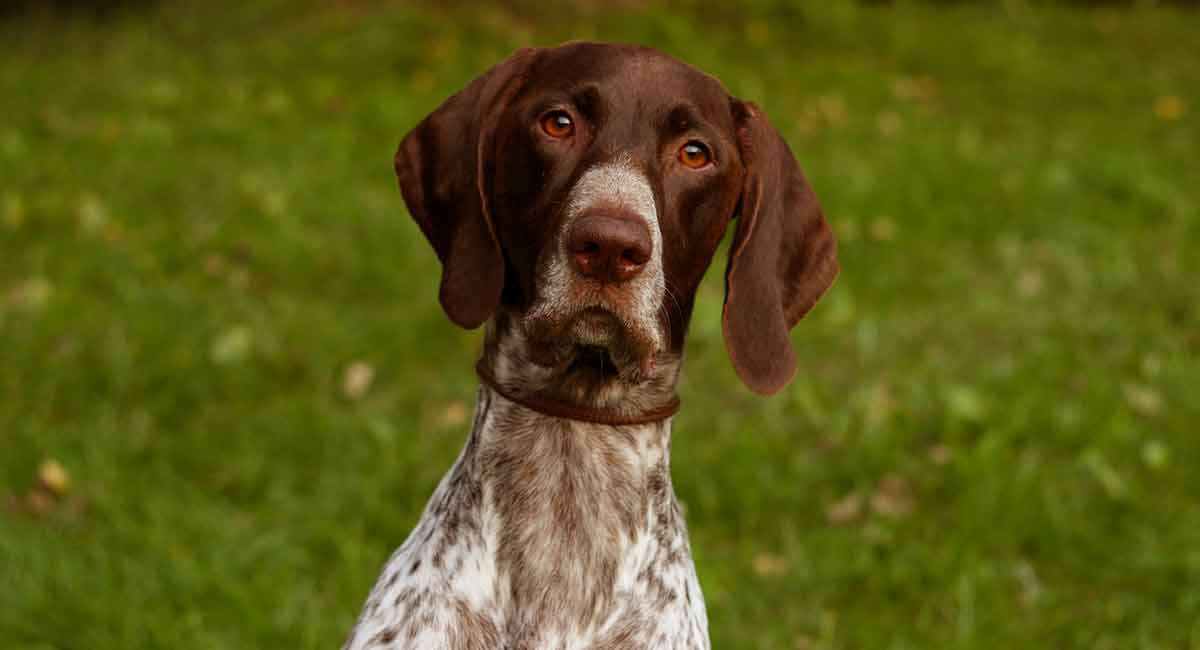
227	390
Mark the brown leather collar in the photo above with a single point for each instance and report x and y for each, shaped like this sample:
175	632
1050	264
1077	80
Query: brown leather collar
555	408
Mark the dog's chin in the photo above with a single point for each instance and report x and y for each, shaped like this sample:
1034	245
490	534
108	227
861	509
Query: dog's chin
595	347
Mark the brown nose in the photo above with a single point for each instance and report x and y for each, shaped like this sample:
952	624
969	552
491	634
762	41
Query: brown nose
609	248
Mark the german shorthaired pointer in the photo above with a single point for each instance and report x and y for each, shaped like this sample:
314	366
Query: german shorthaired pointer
575	196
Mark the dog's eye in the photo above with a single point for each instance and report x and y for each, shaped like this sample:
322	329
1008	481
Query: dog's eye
694	155
557	124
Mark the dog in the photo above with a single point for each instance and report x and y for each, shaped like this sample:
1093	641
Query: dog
575	197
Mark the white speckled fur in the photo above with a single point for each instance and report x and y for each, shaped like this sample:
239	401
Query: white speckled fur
463	599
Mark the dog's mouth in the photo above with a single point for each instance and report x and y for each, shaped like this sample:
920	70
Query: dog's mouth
597	346
593	361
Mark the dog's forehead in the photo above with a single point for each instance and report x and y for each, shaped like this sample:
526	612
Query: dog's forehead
629	74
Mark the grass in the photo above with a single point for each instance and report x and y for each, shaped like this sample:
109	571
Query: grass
992	442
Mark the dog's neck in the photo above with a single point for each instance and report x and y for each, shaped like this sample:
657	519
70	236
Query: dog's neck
570	514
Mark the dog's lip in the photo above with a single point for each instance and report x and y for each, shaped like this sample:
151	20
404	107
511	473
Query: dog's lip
596	328
594	359
593	314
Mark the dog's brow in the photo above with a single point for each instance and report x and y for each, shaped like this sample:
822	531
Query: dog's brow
683	117
587	99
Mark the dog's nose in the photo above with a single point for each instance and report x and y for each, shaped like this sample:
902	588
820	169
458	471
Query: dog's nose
609	248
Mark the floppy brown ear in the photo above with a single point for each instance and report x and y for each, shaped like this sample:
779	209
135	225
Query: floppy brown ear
782	260
443	169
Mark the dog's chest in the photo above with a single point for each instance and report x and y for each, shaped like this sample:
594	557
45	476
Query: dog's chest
545	534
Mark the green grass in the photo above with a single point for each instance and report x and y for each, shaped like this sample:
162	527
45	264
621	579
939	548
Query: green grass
200	231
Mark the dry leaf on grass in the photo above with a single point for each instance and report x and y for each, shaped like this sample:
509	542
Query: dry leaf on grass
921	89
941	454
53	477
214	265
357	380
1169	108
883	229
32	293
454	414
39	503
91	214
770	565
1144	400
888	123
49	496
893	497
845	510
1030	283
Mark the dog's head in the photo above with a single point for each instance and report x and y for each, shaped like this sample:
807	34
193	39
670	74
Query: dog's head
576	195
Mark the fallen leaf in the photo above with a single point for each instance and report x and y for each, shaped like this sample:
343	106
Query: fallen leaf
13	214
832	109
454	414
941	454
1030	282
214	265
91	215
54	477
847	230
39	503
1169	108
883	229
1031	584
829	442
893	497
921	89
32	293
845	510
357	379
770	565
1145	401
888	123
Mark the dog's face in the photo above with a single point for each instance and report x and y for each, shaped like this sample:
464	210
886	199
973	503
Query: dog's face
576	195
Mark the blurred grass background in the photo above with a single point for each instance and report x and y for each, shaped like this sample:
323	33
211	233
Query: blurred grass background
226	388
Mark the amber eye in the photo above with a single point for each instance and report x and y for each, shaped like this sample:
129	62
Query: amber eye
557	124
694	155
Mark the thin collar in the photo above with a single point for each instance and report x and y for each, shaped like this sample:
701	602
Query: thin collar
558	409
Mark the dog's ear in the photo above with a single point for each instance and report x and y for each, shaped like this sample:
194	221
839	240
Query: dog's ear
782	259
443	166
